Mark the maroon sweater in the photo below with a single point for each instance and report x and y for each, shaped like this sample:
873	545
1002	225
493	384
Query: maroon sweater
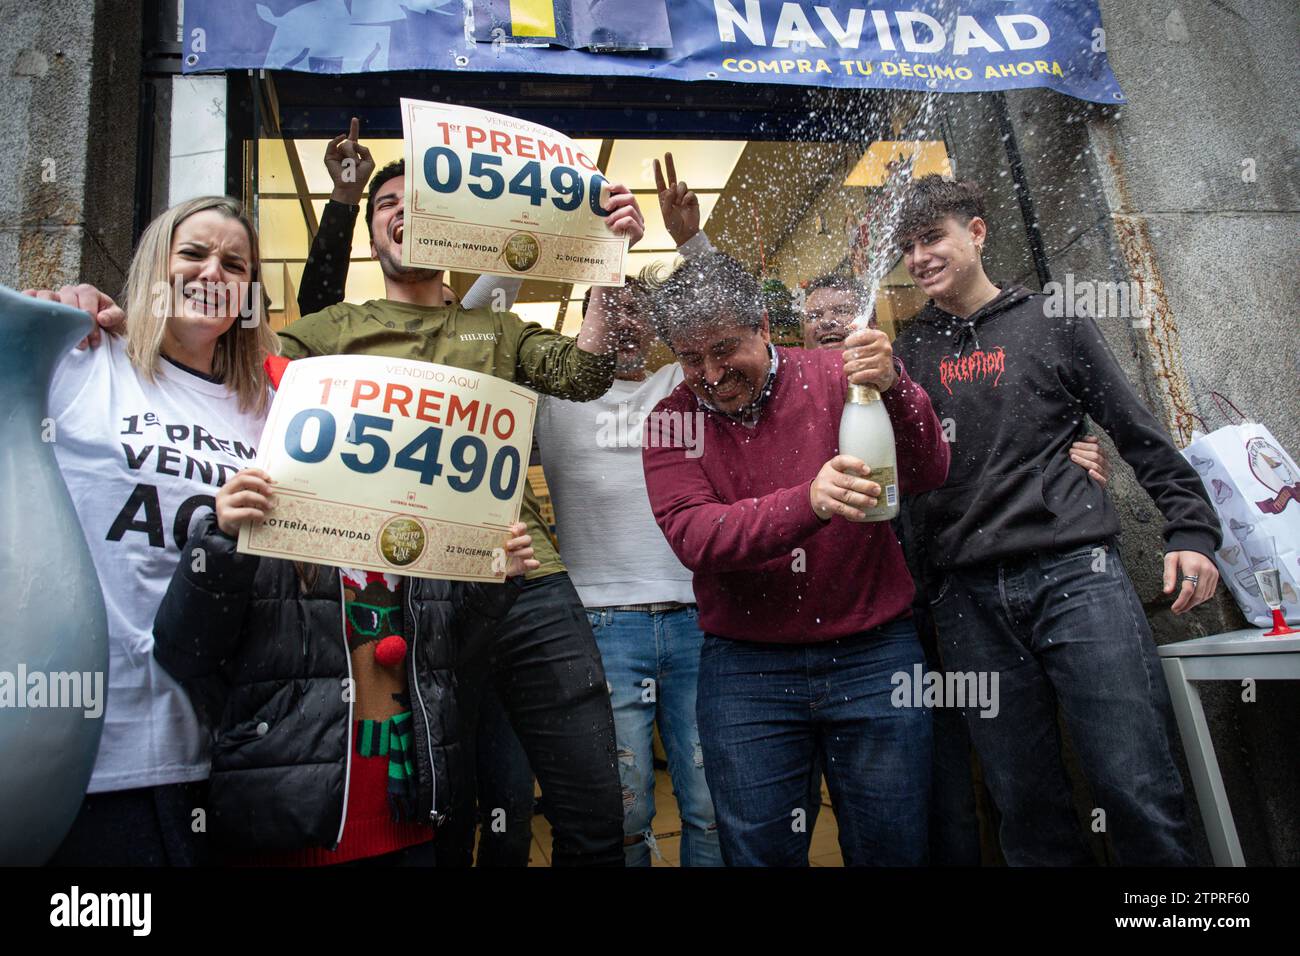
735	514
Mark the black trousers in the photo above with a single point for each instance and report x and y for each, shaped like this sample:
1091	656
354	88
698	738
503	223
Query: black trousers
505	788
148	826
547	672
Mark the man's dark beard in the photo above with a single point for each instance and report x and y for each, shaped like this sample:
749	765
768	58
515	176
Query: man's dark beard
391	266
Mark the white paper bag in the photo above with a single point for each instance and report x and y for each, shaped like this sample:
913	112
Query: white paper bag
1255	487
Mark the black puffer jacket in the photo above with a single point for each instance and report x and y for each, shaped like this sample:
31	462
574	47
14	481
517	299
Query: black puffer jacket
265	662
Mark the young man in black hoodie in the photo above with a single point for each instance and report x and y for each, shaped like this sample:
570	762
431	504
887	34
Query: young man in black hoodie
1022	572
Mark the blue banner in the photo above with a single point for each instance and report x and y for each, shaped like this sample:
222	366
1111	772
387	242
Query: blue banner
954	46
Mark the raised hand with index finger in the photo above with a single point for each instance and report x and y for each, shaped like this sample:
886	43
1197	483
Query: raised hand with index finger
350	165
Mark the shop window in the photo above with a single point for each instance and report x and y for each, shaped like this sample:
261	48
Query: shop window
792	211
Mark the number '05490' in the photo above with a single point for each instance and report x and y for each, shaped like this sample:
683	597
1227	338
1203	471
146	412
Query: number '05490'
468	455
444	172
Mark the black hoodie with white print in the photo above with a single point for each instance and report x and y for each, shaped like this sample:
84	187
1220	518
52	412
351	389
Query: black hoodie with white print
1017	385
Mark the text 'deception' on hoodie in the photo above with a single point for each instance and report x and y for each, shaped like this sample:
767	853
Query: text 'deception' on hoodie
1013	386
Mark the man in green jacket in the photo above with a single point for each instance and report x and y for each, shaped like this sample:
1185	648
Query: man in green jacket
545	664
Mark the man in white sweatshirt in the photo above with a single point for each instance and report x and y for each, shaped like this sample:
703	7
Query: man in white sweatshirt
637	594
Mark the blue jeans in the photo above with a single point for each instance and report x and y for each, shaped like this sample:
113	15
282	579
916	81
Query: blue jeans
954	819
652	664
768	710
1066	629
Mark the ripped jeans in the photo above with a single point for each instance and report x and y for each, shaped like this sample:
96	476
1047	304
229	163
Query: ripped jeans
652	661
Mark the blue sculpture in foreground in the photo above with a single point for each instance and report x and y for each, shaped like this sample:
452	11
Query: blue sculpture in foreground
54	635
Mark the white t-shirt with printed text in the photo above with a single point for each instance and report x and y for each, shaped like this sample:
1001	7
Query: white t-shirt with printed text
141	461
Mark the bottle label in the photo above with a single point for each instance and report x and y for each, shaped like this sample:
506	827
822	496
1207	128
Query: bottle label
885	477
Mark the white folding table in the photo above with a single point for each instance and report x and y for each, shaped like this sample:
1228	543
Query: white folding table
1234	656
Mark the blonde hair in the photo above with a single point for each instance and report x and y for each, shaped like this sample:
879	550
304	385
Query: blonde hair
237	362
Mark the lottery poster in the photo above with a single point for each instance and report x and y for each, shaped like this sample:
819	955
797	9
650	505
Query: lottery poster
498	195
394	465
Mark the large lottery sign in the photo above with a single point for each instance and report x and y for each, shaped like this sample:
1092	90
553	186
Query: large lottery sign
394	465
494	194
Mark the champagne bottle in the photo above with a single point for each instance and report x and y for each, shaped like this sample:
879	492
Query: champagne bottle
866	433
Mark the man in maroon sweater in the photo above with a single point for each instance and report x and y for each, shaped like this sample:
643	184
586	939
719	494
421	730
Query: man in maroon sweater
806	614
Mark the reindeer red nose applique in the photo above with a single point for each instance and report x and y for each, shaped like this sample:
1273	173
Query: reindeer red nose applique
391	651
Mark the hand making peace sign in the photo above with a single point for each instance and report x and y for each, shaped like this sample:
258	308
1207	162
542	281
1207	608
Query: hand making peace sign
680	206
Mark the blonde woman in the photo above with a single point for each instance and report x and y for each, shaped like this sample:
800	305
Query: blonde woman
148	426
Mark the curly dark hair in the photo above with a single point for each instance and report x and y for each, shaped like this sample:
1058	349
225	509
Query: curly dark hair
704	291
380	176
929	199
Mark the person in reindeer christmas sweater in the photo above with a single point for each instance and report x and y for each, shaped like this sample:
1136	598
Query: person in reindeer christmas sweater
329	692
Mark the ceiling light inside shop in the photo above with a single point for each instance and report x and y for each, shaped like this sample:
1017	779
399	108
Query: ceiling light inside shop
927	156
704	163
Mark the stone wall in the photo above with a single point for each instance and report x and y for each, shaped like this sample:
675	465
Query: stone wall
1191	188
72	74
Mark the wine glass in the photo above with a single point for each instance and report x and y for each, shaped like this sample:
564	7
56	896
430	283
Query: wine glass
1268	575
